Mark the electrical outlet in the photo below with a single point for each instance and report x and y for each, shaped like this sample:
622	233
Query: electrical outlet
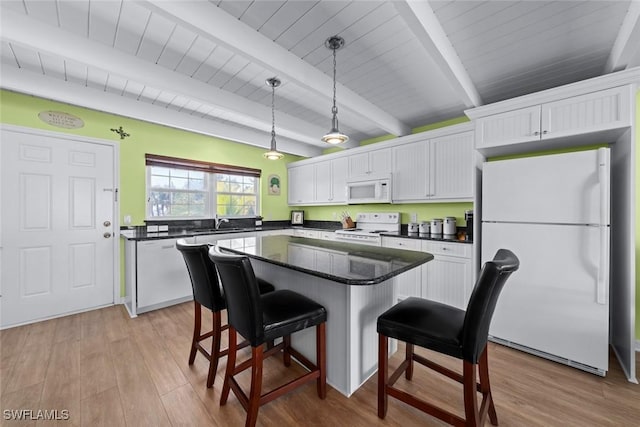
335	215
127	219
414	217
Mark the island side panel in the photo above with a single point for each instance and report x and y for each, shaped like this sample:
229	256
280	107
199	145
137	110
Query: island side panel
352	312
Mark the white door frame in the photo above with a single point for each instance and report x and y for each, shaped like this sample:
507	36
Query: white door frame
117	299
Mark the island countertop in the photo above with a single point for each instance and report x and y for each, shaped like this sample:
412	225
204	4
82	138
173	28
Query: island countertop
351	263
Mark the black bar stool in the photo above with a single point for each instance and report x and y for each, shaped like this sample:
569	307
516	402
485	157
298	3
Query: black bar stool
451	331
262	318
207	293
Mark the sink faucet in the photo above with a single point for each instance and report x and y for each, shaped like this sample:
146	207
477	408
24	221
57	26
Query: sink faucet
218	221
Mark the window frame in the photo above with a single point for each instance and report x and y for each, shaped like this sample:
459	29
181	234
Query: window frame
211	170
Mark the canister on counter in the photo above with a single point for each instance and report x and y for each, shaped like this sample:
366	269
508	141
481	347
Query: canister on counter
424	227
436	226
449	227
412	227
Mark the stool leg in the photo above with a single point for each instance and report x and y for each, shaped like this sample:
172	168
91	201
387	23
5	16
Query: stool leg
197	319
257	356
321	360
408	374
286	355
231	365
215	349
485	386
383	378
470	397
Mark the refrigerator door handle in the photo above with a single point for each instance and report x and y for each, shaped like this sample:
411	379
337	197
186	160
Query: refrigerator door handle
602	290
604	174
604	170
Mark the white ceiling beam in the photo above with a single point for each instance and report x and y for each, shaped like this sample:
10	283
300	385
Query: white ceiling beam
625	52
39	85
212	22
18	28
424	24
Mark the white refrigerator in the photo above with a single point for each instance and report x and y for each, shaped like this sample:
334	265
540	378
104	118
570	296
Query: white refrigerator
552	211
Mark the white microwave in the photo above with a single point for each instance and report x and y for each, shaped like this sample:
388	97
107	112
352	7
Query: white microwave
368	189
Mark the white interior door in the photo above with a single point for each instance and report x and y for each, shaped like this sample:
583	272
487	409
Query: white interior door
57	226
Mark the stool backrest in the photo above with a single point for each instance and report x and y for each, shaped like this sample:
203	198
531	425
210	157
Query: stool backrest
482	303
244	307
204	279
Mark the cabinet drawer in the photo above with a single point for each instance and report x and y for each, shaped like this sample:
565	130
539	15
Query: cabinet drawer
450	249
400	243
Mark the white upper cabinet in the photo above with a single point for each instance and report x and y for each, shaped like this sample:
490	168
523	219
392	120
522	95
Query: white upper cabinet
438	169
324	182
411	171
584	114
301	184
375	162
451	167
430	166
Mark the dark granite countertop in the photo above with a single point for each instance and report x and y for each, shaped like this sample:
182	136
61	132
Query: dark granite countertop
141	233
352	263
461	237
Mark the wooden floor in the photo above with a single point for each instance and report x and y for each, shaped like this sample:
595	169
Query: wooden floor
105	368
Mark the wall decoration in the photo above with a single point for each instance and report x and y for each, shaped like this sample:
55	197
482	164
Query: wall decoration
61	119
297	217
273	181
121	132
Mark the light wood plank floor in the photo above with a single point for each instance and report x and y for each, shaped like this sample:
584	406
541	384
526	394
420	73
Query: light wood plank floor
107	369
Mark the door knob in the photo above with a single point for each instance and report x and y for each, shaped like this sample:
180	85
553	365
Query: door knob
106	223
107	235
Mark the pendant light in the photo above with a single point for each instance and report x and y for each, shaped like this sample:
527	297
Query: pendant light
273	154
334	136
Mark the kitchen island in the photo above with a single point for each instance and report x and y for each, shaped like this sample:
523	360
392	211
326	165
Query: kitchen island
356	283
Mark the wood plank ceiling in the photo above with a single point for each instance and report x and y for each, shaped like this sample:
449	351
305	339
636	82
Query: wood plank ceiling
202	65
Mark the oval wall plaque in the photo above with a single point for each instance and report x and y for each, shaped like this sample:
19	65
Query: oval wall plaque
61	119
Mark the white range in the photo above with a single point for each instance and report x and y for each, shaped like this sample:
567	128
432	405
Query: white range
369	226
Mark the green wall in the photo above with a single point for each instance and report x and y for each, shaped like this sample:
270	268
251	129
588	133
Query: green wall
22	110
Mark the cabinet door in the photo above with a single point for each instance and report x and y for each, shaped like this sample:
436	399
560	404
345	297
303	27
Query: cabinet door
338	180
380	161
409	282
593	112
448	280
162	275
508	128
358	164
411	171
323	182
451	169
376	162
301	183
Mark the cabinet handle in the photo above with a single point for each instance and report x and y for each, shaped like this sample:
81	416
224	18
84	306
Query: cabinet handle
544	132
536	133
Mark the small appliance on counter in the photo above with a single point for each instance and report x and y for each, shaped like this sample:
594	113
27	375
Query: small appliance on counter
468	217
424	227
413	227
449	227
436	226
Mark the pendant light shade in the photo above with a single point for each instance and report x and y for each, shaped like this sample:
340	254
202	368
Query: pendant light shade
273	153
334	136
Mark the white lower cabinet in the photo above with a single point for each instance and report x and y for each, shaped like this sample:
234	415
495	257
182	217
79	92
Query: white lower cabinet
161	278
448	278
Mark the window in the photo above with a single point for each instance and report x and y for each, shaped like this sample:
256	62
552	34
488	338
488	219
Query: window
182	189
